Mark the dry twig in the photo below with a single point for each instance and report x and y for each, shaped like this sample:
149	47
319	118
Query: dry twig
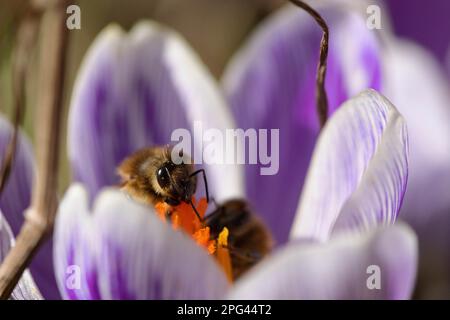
321	94
40	216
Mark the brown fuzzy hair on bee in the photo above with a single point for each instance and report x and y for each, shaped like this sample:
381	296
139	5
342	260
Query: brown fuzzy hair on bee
150	176
249	239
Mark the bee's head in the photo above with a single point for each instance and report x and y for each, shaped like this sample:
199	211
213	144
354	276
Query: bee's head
176	182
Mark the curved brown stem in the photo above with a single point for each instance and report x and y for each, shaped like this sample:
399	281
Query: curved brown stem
321	94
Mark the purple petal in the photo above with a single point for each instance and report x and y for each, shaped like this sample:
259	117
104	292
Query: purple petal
419	89
358	173
15	199
132	92
75	247
447	62
16	196
271	84
125	252
433	19
26	288
340	269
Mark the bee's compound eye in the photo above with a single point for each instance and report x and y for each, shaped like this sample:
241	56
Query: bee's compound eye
162	175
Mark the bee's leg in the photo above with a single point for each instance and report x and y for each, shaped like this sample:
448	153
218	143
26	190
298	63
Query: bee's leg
196	212
204	181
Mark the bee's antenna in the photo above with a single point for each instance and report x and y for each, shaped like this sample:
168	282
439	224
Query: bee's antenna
204	181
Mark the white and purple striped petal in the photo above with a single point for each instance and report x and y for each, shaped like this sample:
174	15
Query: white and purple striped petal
378	265
133	91
15	199
358	172
75	248
26	288
271	84
123	251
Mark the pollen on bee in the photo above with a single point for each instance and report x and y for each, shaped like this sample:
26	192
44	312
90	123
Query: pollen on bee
183	217
222	240
223	254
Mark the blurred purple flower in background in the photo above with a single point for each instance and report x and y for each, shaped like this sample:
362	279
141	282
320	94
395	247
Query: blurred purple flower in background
416	84
419	89
425	22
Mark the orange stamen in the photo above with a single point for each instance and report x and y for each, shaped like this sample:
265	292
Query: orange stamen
162	209
202	238
183	217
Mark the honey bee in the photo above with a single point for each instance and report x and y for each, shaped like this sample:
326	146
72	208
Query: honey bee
249	240
150	176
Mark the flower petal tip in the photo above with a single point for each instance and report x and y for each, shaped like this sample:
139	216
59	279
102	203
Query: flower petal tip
358	173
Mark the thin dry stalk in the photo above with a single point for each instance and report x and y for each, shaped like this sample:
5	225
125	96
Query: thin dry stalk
321	94
40	216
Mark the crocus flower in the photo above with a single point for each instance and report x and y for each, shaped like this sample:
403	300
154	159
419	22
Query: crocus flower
133	91
415	80
269	84
416	83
